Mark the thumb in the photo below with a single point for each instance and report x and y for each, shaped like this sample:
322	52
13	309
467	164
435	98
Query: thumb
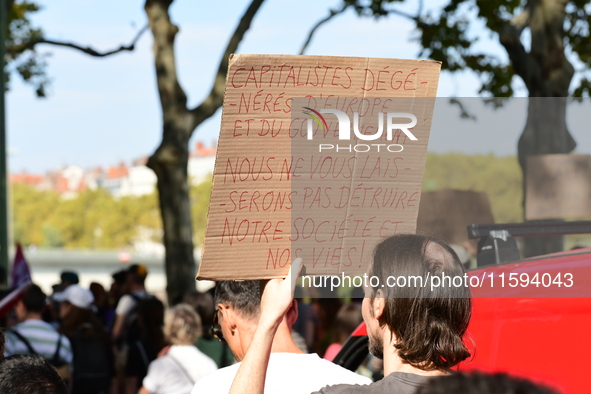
294	273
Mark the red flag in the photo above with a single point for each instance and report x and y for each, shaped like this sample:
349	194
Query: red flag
20	268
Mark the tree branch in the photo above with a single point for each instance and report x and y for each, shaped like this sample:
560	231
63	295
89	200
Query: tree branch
173	98
208	107
416	18
464	112
14	49
331	15
521	21
510	37
343	8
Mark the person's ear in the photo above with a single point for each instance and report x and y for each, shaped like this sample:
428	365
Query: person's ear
379	303
20	310
227	316
292	314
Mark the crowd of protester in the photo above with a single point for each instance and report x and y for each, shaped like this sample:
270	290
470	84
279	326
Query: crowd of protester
120	341
127	341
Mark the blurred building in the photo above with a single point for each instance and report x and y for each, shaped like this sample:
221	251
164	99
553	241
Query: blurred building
201	163
120	180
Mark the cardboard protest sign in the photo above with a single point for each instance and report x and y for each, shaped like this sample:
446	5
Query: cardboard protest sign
318	157
447	213
558	186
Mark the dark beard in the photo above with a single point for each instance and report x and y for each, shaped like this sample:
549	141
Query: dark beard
376	346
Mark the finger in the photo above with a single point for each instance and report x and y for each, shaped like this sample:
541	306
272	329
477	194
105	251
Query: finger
294	273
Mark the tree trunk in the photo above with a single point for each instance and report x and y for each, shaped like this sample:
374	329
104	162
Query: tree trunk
547	74
169	163
170	160
545	132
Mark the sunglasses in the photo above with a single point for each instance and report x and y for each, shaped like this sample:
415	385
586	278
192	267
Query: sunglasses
216	330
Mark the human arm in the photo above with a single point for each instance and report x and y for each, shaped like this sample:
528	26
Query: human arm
275	301
118	326
124	307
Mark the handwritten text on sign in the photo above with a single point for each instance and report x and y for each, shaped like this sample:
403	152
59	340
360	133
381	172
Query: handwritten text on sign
285	185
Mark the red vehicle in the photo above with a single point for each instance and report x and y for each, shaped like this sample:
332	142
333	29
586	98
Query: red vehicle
528	325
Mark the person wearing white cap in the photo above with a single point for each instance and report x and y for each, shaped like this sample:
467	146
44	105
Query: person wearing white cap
93	357
74	295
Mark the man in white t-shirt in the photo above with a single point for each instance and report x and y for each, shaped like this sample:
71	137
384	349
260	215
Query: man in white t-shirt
290	370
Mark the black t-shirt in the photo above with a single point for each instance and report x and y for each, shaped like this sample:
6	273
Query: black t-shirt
395	383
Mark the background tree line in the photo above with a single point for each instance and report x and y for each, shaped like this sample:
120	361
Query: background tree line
94	219
97	220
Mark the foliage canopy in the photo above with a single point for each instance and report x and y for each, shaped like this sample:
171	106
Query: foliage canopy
447	32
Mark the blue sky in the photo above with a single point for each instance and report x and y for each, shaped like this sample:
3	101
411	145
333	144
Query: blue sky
103	111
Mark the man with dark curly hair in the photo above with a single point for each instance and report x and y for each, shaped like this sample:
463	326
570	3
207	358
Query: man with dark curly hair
29	374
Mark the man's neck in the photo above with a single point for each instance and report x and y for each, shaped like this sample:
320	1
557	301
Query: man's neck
32	316
283	342
136	287
393	362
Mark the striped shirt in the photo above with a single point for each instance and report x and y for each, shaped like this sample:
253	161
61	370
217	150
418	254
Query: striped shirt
42	337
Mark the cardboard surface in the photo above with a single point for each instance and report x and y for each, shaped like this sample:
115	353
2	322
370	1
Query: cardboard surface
447	213
558	186
276	196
